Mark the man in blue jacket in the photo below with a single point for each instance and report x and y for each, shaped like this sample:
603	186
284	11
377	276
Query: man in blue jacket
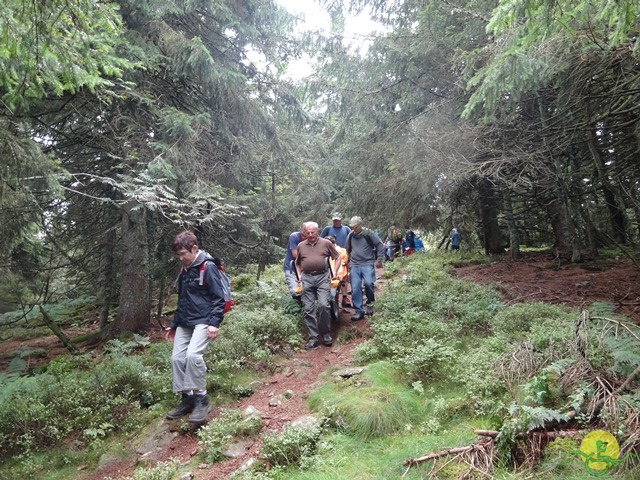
195	324
336	230
455	239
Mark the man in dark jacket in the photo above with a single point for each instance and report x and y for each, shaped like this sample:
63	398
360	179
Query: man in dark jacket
366	252
195	323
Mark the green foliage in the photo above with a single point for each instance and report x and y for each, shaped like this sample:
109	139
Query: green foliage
518	321
243	282
523	419
28	324
475	370
76	395
230	425
118	347
542	388
292	446
252	336
53	48
371	406
520	64
161	471
423	318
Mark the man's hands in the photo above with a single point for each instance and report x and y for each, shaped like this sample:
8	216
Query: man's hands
378	263
169	334
212	332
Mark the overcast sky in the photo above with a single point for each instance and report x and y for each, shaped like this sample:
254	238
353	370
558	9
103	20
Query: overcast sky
356	28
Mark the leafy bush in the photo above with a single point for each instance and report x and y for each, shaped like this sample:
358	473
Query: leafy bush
75	395
475	369
161	471
246	337
229	425
540	319
290	447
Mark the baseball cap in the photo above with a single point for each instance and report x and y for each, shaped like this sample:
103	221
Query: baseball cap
355	221
336	216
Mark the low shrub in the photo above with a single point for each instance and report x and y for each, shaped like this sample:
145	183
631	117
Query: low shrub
228	426
76	396
160	471
248	336
291	446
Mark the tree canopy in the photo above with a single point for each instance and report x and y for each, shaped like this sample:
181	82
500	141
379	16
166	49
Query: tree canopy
123	122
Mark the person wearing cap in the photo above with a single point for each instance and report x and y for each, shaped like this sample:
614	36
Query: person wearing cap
336	230
366	252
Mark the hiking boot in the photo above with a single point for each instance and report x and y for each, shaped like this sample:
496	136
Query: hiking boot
357	316
187	404
327	340
311	344
368	311
201	410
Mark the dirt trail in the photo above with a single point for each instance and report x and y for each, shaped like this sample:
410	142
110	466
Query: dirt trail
536	277
298	376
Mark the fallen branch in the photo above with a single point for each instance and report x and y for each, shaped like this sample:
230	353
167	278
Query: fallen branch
486	443
443	453
58	331
482	444
549	434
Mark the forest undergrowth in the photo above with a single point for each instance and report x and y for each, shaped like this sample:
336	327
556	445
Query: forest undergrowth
456	384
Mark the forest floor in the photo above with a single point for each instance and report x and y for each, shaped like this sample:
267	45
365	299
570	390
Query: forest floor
535	277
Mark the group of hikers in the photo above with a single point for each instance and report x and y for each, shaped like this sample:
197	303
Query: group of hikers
399	244
339	257
316	265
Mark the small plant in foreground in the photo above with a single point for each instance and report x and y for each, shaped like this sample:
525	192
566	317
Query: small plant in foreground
217	435
292	446
162	471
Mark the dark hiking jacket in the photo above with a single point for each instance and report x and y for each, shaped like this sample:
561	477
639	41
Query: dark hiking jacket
200	295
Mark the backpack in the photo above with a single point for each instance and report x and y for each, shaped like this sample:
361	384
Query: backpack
225	281
367	235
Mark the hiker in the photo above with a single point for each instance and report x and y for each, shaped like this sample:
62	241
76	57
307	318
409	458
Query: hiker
290	274
343	272
336	230
312	264
394	240
195	324
366	252
410	243
455	239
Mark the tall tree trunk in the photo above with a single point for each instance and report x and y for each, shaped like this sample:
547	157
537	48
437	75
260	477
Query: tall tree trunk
514	237
559	209
617	215
106	284
134	313
557	224
491	235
